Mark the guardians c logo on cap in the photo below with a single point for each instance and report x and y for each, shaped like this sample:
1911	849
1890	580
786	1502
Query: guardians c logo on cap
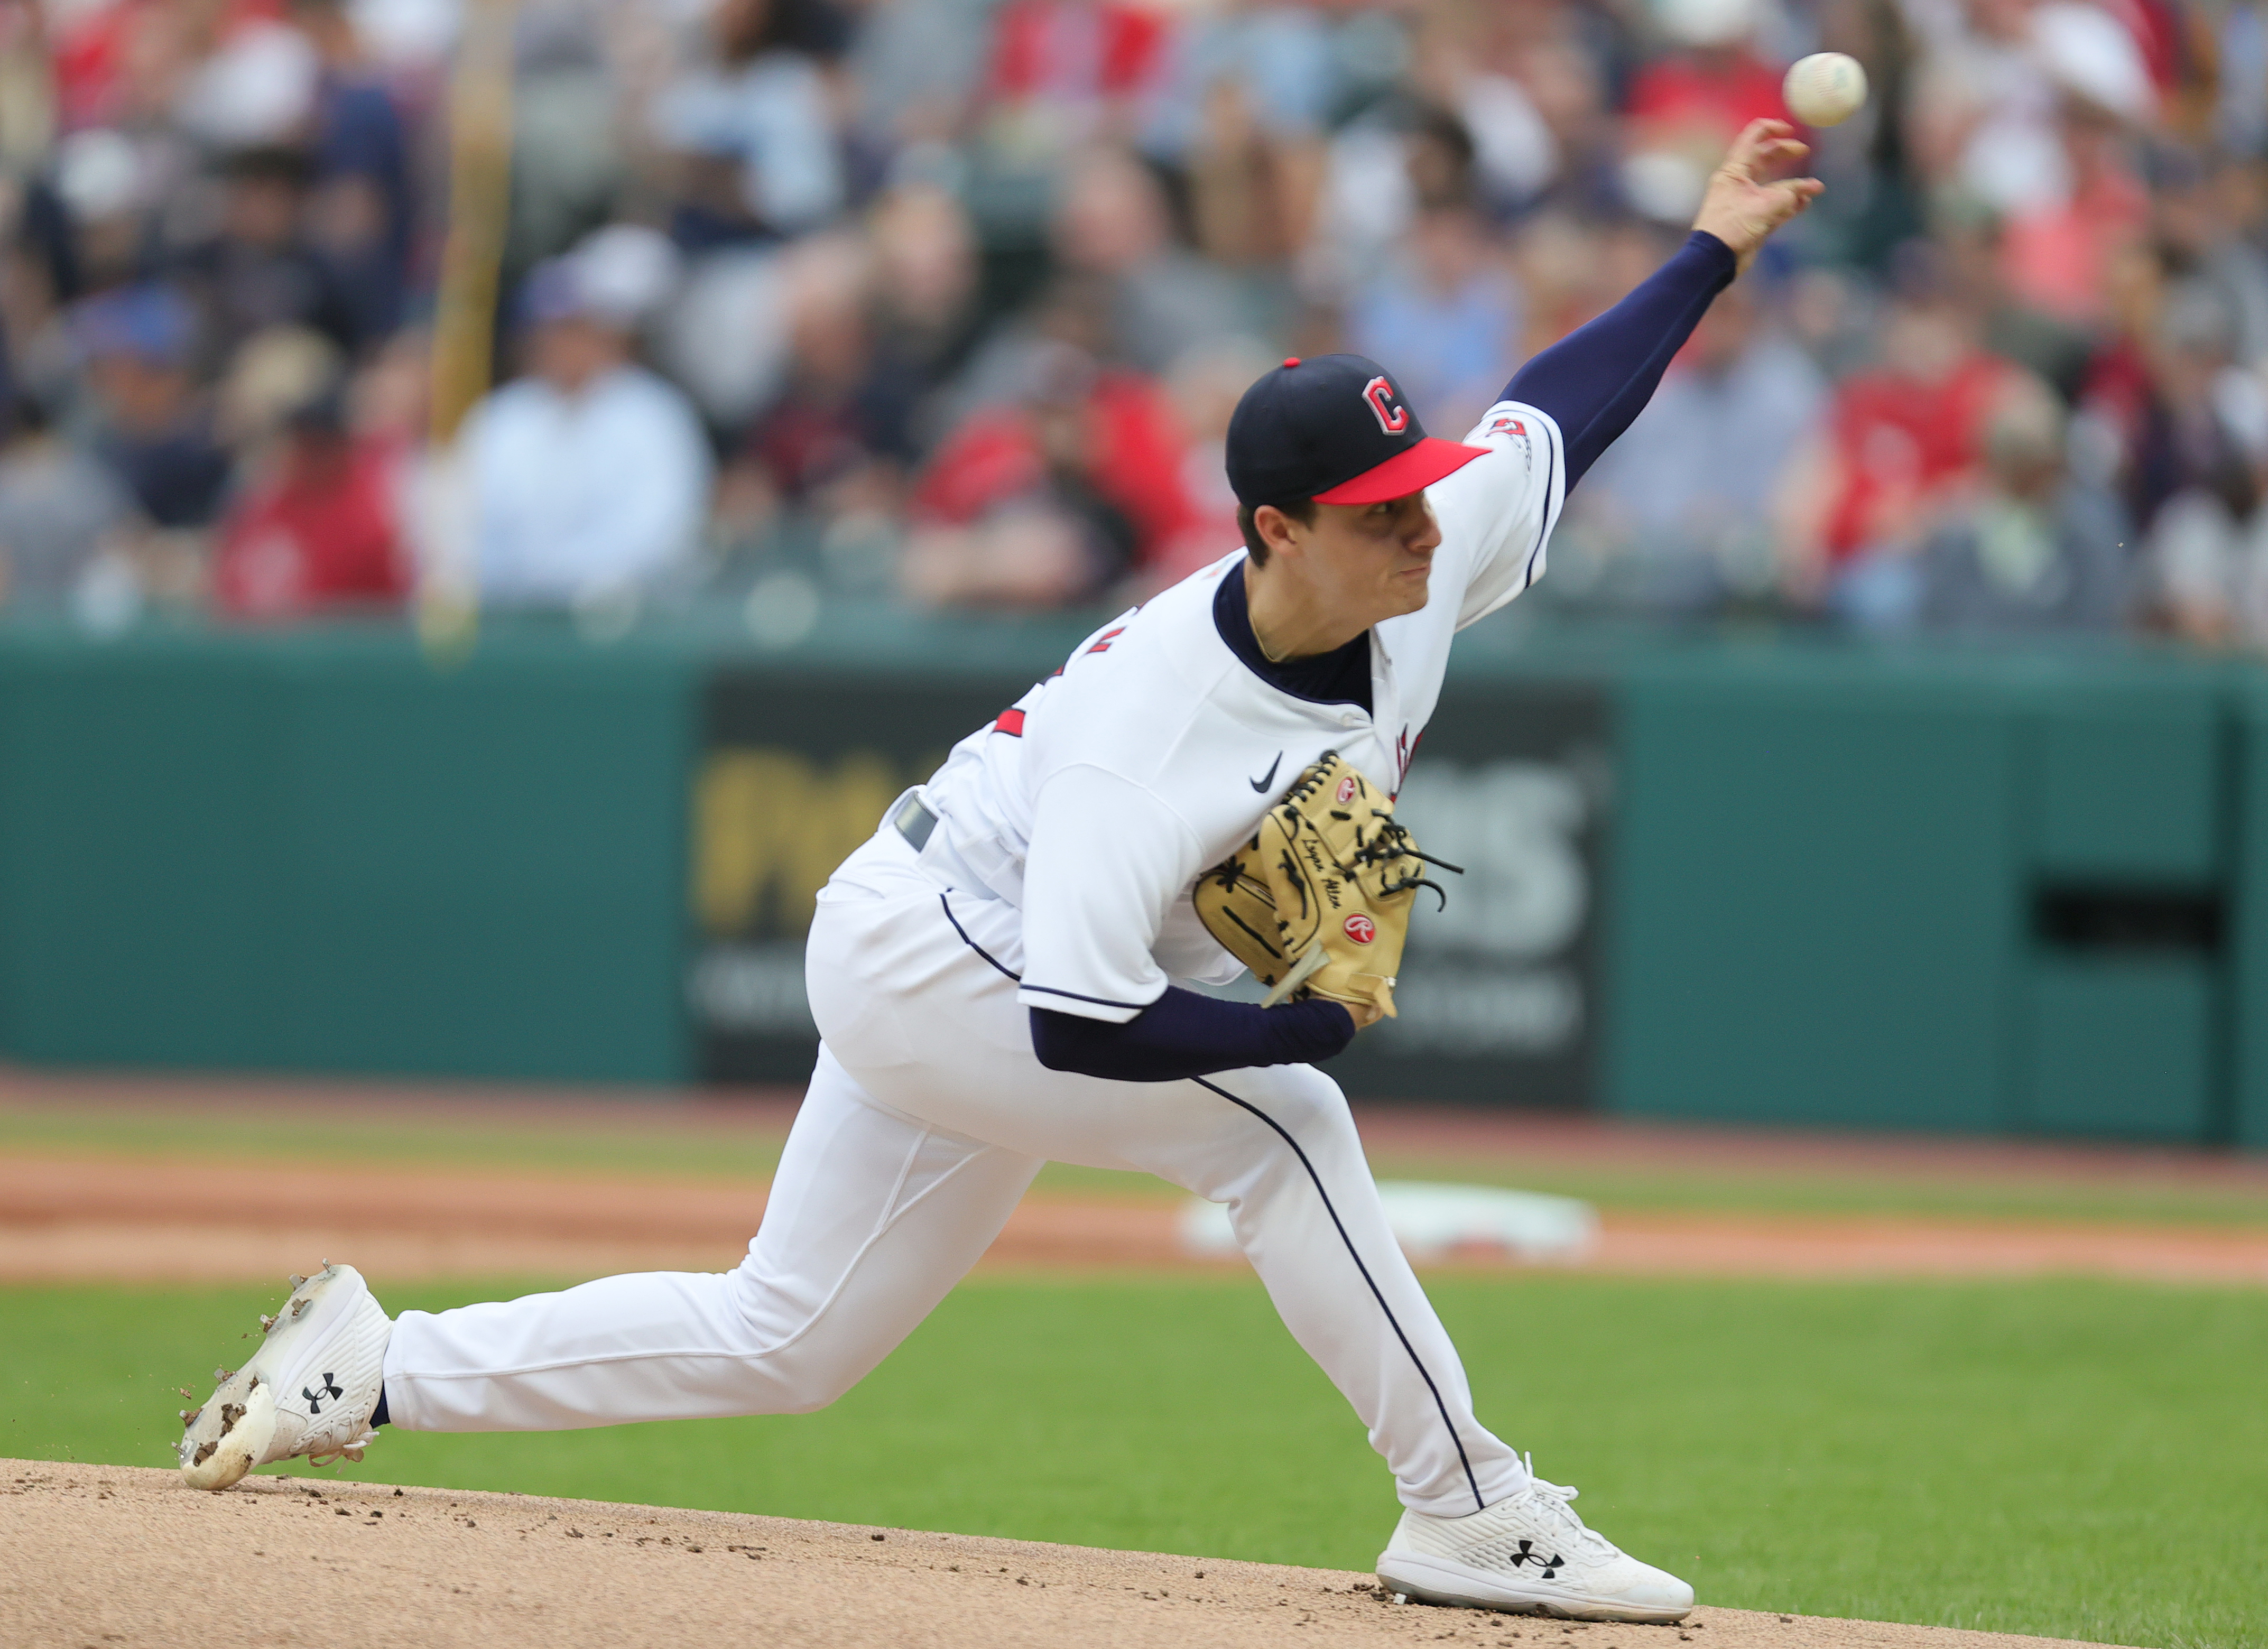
1335	429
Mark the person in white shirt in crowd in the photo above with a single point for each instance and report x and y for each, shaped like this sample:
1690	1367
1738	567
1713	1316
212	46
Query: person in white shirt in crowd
589	475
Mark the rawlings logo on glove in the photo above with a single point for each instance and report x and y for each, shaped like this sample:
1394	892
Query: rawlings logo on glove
1318	902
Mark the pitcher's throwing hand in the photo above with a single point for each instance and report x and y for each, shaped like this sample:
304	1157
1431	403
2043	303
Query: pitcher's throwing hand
1743	203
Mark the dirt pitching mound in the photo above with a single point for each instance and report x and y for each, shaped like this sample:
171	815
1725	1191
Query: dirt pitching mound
96	1556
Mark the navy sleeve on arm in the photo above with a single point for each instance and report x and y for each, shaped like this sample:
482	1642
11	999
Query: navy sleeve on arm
1185	1035
1598	378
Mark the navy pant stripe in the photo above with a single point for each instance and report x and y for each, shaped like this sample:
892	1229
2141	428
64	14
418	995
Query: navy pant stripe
1470	1481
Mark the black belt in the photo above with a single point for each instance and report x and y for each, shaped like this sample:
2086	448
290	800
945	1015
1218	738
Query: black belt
913	821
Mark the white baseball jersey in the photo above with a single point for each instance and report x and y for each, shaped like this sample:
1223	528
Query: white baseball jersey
1097	800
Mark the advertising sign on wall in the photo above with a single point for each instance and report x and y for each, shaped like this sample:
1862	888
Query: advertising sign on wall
1499	991
794	772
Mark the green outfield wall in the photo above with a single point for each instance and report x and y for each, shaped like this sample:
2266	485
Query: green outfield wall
1741	878
316	852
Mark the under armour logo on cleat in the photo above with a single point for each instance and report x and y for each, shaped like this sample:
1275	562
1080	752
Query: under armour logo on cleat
1528	1553
315	1403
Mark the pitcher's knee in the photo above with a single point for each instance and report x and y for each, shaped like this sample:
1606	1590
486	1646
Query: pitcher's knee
1308	1106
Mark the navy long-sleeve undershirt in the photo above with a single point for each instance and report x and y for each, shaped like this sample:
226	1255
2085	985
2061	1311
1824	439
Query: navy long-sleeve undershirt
1185	1035
1595	380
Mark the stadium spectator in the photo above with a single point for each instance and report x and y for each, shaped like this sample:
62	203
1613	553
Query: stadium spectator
835	448
361	213
1053	500
1112	224
753	125
589	474
1711	82
1902	440
60	511
154	426
1675	520
1684	105
927	278
259	270
1242	109
2034	549
1063	72
316	531
2192	428
1446	314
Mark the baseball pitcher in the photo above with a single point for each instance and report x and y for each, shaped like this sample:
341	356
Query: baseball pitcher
1205	786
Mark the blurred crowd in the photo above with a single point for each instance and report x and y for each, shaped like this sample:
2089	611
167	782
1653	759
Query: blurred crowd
948	301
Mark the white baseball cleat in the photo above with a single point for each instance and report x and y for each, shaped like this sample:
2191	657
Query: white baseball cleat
309	1389
1528	1553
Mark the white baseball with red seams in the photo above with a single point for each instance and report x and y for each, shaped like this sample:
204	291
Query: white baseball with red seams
1825	89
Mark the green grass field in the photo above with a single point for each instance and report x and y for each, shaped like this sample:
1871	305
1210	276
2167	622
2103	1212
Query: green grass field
2071	1459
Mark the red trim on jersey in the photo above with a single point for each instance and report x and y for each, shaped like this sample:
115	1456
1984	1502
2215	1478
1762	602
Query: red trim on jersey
1010	722
1102	642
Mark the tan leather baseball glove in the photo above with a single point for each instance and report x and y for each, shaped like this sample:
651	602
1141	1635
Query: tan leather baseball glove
1318	902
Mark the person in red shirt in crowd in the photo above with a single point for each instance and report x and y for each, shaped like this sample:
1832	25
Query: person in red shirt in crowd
1900	446
1064	70
319	531
1054	497
1712	86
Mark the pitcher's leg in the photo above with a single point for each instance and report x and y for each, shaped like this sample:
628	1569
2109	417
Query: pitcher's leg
1276	1144
871	1218
1290	1166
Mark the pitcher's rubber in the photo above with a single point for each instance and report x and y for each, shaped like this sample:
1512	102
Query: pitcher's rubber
110	1555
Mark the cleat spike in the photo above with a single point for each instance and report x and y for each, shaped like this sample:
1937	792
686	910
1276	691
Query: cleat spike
267	1322
223	1374
296	1281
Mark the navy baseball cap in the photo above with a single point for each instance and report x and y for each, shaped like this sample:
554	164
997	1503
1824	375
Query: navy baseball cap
1335	429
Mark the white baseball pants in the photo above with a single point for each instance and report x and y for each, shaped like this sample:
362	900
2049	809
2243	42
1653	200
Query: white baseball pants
925	1120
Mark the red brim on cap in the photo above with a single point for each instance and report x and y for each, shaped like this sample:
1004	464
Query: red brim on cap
1413	469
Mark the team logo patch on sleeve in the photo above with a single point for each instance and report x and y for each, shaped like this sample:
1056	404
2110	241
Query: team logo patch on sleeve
1506	424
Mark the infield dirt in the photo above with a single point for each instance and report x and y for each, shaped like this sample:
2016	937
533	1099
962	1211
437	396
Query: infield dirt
96	1556
105	1219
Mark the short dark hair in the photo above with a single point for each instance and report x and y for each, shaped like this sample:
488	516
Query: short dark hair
1300	509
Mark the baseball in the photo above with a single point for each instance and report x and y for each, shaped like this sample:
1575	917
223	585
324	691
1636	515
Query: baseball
1825	89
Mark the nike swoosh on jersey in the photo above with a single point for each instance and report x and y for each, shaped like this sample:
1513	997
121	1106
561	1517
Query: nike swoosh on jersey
1261	783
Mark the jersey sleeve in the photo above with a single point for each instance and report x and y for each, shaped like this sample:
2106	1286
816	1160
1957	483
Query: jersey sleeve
1106	861
1497	512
